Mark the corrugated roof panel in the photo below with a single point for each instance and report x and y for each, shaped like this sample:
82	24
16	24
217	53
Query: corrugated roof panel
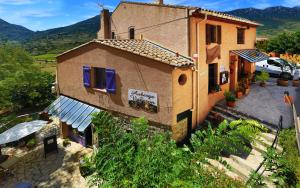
58	105
82	117
251	55
62	107
87	121
72	112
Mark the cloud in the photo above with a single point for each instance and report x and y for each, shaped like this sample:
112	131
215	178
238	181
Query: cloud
16	2
292	3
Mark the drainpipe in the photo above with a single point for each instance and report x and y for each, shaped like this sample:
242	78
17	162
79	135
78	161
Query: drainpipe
197	69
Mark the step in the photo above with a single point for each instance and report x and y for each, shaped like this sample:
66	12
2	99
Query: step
228	118
251	162
268	136
228	113
258	146
241	115
236	168
261	144
221	167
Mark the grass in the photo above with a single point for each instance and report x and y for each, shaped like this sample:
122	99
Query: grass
46	62
45	57
287	140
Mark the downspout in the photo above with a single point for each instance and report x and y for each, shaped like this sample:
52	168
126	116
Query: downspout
197	68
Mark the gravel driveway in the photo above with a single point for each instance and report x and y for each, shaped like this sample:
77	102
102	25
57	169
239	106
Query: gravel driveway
267	103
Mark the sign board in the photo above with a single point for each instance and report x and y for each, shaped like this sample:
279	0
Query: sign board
143	100
224	77
50	145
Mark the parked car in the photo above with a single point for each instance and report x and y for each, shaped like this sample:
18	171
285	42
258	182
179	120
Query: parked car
276	66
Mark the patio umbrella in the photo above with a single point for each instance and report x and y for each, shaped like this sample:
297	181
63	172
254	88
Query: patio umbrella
21	130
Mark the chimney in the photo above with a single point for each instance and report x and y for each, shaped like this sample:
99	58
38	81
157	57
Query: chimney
159	2
104	32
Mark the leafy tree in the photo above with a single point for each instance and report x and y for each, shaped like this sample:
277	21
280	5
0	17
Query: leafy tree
22	84
285	42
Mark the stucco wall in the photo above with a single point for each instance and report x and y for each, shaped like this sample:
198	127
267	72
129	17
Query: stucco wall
182	99
133	72
229	42
150	21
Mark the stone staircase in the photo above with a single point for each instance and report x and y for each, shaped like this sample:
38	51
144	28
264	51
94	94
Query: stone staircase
240	167
224	112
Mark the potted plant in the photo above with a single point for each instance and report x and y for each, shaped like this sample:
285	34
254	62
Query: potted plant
239	91
283	80
66	142
230	99
215	89
263	77
296	83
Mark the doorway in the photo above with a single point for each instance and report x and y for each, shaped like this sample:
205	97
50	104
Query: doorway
185	119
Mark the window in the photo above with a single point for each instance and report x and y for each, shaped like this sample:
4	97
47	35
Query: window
213	34
103	79
113	35
131	33
182	79
212	80
240	36
100	78
274	63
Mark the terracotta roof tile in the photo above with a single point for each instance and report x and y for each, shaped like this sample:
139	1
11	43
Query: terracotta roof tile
150	50
200	10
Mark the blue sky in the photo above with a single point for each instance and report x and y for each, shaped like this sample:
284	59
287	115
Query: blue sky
45	14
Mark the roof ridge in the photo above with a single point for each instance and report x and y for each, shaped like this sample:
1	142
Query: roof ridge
167	49
163	5
219	13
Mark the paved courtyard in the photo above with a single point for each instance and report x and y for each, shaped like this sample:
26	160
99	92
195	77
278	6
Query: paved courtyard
267	103
57	170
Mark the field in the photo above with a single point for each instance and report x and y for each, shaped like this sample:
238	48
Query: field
46	62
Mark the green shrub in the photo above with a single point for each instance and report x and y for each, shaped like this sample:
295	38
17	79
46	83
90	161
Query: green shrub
31	143
287	139
136	159
230	97
263	77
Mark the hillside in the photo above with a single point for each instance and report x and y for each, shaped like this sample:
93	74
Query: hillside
13	32
57	40
275	19
60	39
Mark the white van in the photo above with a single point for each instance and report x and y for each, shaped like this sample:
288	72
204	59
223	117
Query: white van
276	66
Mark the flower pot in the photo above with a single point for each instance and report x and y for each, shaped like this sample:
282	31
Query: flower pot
230	104
274	54
239	94
296	83
247	91
281	82
262	84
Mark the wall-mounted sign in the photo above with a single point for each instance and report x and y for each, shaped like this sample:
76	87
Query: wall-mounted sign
143	100
224	77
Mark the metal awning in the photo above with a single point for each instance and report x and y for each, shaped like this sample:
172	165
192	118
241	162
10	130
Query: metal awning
21	130
72	112
251	55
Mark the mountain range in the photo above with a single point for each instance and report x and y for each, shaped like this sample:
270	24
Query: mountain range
275	20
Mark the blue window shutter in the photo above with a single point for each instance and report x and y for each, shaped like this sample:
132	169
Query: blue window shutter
110	80
87	76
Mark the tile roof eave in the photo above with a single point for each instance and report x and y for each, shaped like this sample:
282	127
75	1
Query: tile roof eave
227	16
167	62
152	58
